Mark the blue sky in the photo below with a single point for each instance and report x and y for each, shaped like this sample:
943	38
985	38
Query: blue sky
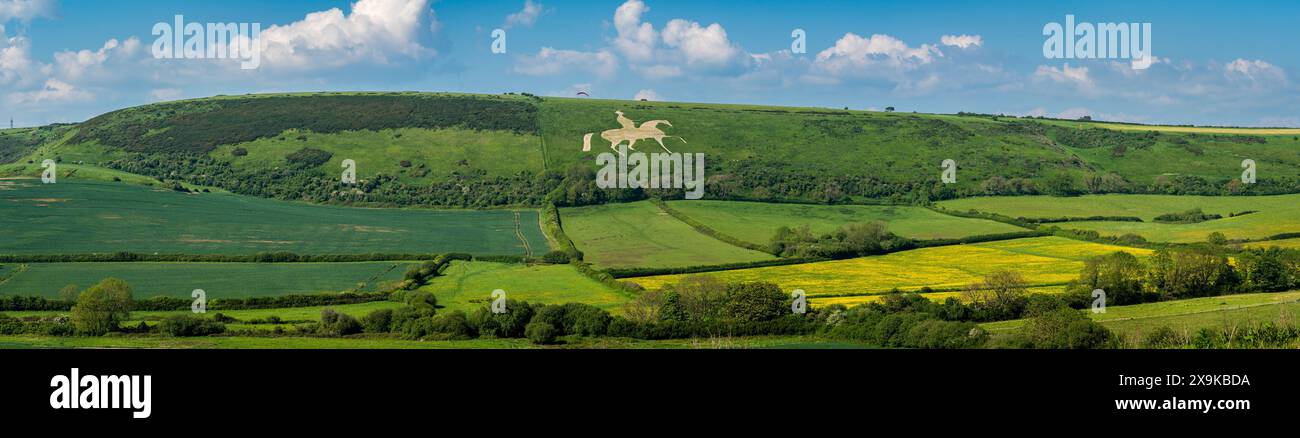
1216	63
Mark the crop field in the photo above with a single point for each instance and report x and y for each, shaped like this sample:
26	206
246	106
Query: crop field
469	285
217	279
1043	261
850	301
1189	315
756	222
79	217
1181	129
1274	214
639	234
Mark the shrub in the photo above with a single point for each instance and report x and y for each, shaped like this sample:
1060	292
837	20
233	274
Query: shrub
239	152
338	324
540	333
378	321
188	324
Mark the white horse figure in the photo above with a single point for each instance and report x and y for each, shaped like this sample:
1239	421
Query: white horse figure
631	134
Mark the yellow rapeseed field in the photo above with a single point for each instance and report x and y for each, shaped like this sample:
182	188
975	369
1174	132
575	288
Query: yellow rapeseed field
1043	261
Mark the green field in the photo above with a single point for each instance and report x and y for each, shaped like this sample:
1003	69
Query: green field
1275	214
1188	315
1043	261
441	151
469	285
756	222
639	234
77	217
217	279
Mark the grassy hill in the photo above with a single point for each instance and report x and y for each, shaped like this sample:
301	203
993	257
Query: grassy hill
438	149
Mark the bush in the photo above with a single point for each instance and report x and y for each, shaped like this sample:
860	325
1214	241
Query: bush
540	333
1164	337
556	257
751	302
188	324
239	152
338	324
378	321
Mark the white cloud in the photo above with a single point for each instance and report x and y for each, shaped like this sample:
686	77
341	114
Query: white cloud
164	94
1074	113
877	56
682	46
1255	74
962	41
73	65
25	10
706	46
525	17
374	31
636	40
648	95
1077	76
16	64
549	61
54	91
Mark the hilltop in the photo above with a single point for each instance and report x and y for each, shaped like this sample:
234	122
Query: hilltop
482	151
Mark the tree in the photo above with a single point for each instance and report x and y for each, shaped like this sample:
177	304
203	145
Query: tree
103	307
1000	296
69	293
1120	275
1190	273
754	302
699	297
1063	327
889	109
338	324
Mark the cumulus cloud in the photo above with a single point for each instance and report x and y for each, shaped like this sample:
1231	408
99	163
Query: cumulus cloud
164	94
54	91
962	41
1077	76
877	56
525	17
647	95
374	31
25	10
682	45
1255	74
16	64
636	40
549	61
74	65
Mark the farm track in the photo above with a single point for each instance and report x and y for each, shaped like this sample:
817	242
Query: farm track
519	234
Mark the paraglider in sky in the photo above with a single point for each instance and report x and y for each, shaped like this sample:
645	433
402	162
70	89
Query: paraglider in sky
584	93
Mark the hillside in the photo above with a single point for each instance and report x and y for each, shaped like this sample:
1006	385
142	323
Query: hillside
478	151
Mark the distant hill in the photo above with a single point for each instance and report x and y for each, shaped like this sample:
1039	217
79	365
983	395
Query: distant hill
478	151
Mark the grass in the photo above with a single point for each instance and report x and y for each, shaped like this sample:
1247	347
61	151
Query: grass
469	285
1275	214
78	216
1284	243
217	279
639	234
756	222
1043	261
1187	315
377	342
441	151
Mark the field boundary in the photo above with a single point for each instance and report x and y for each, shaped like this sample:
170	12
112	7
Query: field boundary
708	231
1007	325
